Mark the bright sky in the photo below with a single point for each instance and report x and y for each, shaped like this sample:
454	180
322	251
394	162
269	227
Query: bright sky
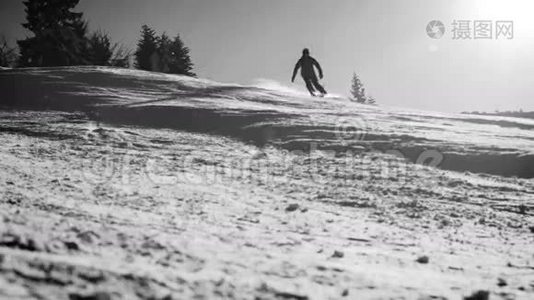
384	41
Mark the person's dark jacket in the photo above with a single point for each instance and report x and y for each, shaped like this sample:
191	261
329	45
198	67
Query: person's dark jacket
306	64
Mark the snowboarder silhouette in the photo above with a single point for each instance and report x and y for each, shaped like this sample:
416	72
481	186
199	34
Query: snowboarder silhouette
306	64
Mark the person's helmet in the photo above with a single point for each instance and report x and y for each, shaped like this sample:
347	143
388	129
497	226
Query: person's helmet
306	51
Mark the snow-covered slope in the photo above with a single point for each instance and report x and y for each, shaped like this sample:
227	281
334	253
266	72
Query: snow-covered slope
151	186
286	118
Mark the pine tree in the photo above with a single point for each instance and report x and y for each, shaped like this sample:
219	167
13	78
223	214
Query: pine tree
164	53
8	54
146	49
59	34
180	61
371	100
102	52
357	91
100	49
121	57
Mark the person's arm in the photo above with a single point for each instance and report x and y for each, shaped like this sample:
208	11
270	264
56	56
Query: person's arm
318	66
297	67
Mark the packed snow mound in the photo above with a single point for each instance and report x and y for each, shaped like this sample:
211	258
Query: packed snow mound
271	114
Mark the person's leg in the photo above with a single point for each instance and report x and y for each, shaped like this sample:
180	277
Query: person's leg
319	87
309	86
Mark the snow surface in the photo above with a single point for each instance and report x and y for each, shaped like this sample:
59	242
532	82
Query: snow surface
272	113
126	184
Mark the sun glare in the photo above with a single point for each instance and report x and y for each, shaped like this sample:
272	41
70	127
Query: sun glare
518	11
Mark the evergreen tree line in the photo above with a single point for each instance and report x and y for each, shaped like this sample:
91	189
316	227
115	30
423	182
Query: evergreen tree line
162	54
60	37
357	92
